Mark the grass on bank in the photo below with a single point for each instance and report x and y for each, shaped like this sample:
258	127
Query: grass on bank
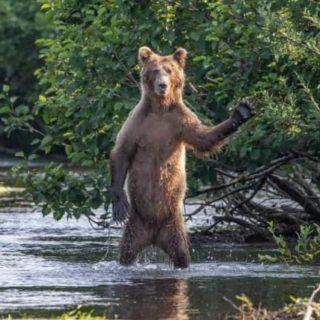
76	314
298	309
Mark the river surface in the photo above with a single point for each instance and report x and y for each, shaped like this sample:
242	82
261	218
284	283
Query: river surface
47	267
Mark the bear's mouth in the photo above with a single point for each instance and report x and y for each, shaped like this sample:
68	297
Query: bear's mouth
162	92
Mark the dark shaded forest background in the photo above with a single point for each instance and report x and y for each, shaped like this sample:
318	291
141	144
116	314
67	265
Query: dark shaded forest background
69	77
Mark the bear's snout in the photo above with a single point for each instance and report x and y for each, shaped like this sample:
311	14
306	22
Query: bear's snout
161	85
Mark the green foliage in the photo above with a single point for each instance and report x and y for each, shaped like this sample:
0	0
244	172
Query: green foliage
21	23
13	116
61	192
305	250
262	49
267	51
77	314
294	310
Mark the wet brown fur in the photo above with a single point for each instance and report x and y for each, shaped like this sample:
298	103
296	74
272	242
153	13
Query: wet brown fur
150	154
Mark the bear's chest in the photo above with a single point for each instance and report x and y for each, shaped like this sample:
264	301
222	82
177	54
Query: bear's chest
158	133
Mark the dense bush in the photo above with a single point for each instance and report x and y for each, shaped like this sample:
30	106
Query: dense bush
21	23
266	51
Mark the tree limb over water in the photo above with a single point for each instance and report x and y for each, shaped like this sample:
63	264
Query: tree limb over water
251	199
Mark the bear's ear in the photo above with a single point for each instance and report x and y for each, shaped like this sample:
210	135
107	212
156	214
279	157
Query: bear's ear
144	54
180	56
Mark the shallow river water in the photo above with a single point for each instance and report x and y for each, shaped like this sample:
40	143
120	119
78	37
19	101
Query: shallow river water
47	267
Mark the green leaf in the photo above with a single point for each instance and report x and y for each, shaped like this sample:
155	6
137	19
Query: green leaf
19	154
45	6
58	214
42	98
4	109
68	149
5	88
22	109
45	141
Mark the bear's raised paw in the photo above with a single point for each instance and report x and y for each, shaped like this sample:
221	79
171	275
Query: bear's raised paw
243	112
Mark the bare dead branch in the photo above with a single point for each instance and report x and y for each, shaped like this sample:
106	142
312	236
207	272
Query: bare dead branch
309	310
296	195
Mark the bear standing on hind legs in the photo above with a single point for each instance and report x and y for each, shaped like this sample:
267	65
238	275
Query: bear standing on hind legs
150	154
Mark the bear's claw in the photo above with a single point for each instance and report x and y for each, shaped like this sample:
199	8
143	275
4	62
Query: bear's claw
120	208
244	111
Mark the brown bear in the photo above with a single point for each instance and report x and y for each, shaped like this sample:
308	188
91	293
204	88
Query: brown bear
150	153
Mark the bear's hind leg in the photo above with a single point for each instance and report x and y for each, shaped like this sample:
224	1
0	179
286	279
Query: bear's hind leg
134	239
173	240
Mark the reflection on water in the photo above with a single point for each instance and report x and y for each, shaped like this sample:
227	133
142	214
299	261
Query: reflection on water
47	267
159	299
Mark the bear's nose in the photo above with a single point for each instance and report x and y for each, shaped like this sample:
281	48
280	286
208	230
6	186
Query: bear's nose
163	86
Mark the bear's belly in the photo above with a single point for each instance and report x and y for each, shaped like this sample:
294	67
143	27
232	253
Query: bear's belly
157	187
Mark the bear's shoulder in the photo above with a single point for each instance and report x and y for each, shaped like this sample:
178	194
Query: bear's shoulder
187	116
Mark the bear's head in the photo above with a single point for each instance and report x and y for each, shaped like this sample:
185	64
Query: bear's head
162	77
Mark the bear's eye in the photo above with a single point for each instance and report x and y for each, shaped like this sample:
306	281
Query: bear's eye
168	70
156	71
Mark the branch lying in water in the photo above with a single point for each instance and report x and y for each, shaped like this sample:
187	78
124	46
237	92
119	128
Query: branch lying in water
298	199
